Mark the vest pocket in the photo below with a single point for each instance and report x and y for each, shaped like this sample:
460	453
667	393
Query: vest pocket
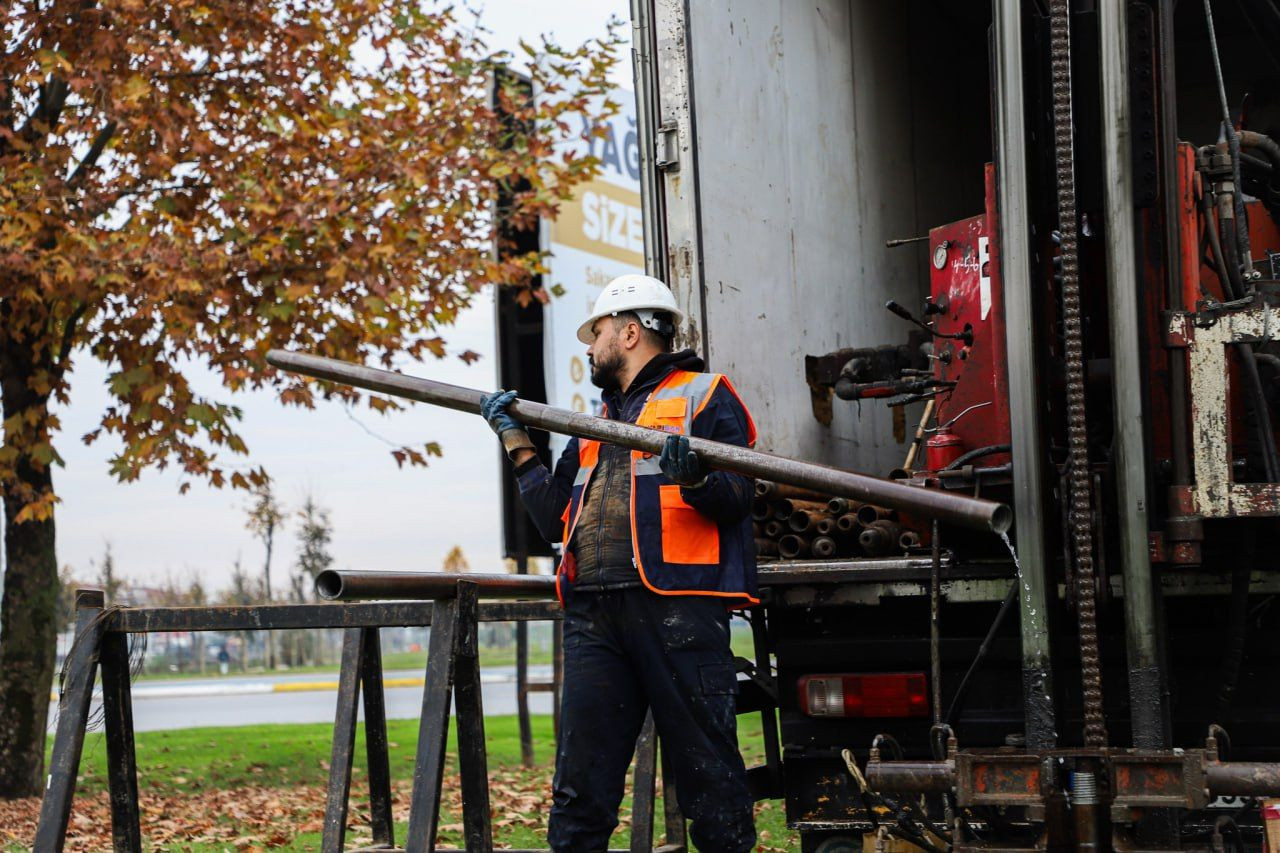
666	414
688	536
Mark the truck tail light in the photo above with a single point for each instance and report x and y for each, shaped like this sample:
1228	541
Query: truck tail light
888	694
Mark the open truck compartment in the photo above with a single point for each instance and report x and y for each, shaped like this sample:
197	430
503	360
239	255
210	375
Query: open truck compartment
813	162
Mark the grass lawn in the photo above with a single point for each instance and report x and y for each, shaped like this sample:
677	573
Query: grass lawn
258	787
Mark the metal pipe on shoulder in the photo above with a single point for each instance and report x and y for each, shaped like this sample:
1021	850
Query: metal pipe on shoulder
825	480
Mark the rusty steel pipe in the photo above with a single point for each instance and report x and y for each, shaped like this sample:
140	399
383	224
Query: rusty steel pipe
911	777
839	506
804	520
880	538
1243	779
848	523
788	507
868	515
793	545
822	480
335	585
781	491
823	546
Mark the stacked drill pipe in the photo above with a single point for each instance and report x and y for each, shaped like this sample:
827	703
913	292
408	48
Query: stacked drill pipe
792	523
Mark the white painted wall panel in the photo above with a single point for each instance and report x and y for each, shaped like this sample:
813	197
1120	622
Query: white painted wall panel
802	116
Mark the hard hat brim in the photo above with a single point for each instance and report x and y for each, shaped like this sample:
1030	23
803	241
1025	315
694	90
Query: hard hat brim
584	331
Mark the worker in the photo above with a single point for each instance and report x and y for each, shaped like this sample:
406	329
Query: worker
655	553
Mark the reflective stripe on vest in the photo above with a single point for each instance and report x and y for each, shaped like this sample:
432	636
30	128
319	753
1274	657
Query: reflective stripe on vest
675	534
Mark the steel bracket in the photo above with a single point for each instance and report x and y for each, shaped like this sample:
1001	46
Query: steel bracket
1144	779
1004	779
1215	493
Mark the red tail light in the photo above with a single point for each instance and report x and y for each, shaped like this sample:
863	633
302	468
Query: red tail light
888	694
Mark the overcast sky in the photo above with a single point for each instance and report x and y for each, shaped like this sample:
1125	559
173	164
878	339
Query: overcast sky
383	517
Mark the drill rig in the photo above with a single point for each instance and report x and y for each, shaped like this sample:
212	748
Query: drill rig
1085	333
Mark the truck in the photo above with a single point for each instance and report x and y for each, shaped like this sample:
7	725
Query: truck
1026	250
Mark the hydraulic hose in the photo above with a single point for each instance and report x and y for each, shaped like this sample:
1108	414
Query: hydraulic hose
1221	245
978	453
1261	142
1233	138
1249	363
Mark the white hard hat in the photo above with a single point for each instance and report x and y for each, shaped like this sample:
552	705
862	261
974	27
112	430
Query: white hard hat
644	295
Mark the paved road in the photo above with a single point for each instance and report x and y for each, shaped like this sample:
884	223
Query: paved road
247	700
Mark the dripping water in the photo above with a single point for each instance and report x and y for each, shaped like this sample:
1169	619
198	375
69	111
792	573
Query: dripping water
1026	590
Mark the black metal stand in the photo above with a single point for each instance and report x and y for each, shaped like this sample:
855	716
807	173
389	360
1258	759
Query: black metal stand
453	672
361	672
452	675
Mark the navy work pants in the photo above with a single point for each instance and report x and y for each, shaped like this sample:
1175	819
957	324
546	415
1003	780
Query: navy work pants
626	651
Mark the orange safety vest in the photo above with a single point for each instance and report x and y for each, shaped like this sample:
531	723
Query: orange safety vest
677	550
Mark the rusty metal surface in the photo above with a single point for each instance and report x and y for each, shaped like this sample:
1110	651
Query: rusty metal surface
1001	779
1145	779
1095	729
1183	528
1243	779
275	617
1215	494
1137	779
923	777
846	571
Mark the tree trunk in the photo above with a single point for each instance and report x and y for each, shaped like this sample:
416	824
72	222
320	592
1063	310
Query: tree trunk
28	615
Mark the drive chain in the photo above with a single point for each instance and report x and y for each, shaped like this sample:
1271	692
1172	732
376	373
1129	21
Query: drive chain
1081	499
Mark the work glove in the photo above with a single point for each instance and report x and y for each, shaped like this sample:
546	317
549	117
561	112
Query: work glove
493	408
681	464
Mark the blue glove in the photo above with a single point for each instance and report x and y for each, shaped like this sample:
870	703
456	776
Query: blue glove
493	408
680	464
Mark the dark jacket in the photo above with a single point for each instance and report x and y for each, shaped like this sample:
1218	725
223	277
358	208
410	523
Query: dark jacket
725	498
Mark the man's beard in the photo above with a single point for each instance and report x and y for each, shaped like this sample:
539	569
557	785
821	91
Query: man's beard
605	370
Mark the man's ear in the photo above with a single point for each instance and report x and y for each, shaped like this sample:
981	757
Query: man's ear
631	335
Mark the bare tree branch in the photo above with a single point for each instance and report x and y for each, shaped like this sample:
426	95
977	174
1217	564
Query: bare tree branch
69	333
95	151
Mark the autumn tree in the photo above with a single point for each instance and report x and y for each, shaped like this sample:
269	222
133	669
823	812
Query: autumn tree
187	185
455	560
266	515
110	582
241	594
315	531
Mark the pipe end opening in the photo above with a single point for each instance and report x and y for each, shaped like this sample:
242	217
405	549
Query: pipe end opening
329	585
1001	519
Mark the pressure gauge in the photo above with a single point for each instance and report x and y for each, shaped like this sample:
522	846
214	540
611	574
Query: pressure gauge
940	255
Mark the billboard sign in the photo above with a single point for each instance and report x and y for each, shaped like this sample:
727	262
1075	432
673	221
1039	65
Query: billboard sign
597	236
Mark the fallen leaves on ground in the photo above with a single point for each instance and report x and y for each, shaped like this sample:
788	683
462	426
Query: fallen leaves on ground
249	819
